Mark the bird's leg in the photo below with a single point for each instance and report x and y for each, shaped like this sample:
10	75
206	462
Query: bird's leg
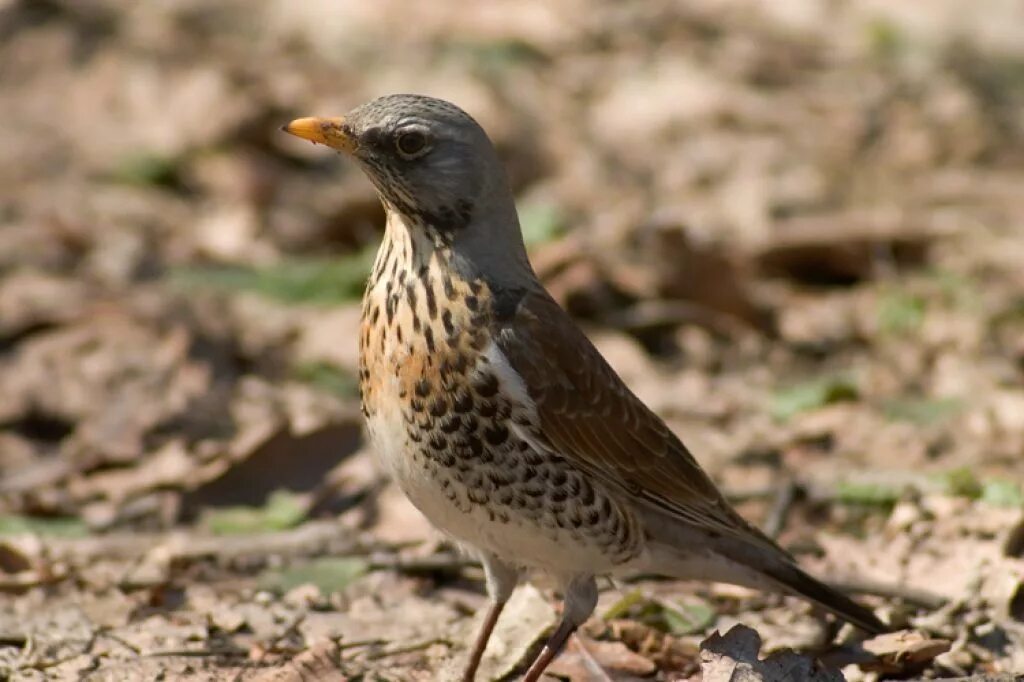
501	580
579	603
481	640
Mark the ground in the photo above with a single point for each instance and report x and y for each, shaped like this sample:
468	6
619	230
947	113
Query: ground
795	228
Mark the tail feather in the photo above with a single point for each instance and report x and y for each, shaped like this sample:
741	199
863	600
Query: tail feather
750	559
795	581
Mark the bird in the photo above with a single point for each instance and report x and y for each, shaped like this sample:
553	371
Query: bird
493	411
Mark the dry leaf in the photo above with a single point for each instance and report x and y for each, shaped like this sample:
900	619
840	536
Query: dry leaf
903	652
733	657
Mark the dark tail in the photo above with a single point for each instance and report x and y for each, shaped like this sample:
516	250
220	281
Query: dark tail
793	580
749	558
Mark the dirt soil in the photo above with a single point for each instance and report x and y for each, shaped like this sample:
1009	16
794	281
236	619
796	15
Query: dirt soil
796	229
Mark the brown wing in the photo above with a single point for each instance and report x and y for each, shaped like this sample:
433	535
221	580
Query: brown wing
589	416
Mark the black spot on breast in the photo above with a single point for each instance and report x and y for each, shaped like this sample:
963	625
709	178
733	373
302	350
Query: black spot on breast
460	363
422	388
390	305
534	491
428	288
497	480
446	320
496	435
472	302
463	402
533	458
450	424
478	342
438	407
486	386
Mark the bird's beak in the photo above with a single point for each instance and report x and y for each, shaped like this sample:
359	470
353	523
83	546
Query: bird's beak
329	131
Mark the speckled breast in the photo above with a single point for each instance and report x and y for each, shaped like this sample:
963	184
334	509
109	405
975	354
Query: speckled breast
453	430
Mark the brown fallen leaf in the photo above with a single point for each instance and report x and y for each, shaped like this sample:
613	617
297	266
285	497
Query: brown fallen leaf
587	660
108	381
665	262
12	559
733	657
841	248
903	652
31	299
24	564
320	662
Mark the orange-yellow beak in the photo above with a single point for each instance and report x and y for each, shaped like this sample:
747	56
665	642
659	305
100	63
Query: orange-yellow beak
328	131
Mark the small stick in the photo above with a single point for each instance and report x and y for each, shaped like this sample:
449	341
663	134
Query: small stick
910	595
785	495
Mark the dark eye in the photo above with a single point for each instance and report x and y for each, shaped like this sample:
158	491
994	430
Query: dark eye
411	143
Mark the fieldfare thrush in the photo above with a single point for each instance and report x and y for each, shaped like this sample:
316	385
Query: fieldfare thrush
496	415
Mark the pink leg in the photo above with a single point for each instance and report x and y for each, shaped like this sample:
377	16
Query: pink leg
481	641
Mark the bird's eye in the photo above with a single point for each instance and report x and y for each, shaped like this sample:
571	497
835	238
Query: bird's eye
411	144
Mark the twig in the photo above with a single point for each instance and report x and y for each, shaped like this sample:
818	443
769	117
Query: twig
360	643
105	632
648	315
419	646
313	538
912	595
785	495
272	645
25	579
435	563
198	653
593	668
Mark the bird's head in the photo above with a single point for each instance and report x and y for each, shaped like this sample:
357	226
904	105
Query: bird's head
429	160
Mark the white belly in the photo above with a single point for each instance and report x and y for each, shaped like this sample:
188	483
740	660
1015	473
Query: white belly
530	540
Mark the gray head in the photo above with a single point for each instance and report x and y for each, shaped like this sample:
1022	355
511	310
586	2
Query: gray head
431	163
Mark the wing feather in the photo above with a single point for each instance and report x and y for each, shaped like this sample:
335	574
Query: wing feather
589	416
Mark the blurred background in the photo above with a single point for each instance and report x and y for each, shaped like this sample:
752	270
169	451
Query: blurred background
796	229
